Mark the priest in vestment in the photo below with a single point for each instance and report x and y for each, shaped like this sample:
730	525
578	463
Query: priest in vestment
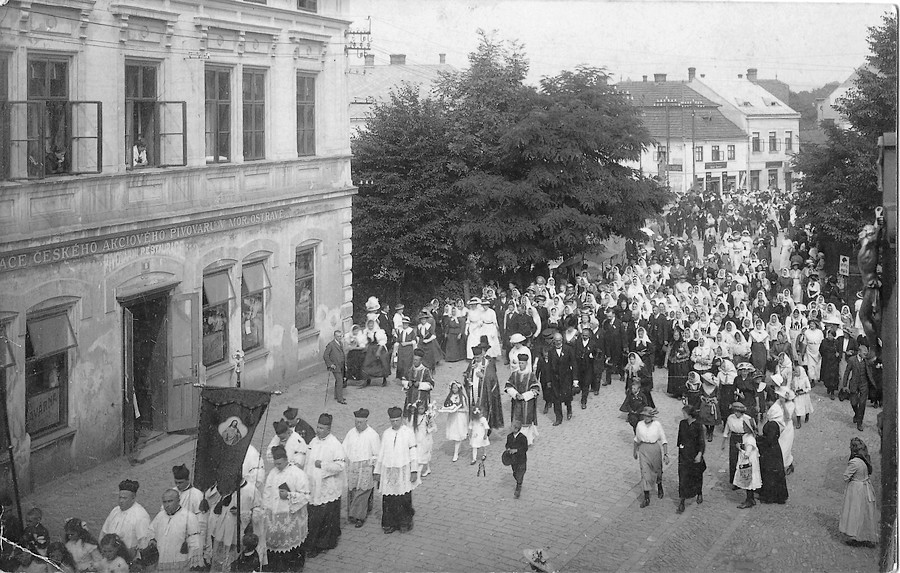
129	520
361	446
483	387
396	473
222	545
523	387
176	527
325	467
293	444
417	381
285	501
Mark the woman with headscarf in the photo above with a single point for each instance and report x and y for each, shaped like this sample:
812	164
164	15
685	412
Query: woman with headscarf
691	463
740	349
728	332
847	320
692	390
782	412
702	356
651	449
814	339
782	348
759	345
831	313
678	364
771	465
642	346
708	411
859	520
636	371
773	326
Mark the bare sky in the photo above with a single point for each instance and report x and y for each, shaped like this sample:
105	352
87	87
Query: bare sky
801	43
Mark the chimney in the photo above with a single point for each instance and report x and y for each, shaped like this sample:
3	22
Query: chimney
645	78
751	74
740	76
659	78
398	59
443	58
702	75
370	59
692	74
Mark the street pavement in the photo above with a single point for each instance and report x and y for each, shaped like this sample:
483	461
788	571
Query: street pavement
579	501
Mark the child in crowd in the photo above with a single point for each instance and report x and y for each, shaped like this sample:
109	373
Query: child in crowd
36	537
455	406
60	557
113	551
248	560
478	437
424	426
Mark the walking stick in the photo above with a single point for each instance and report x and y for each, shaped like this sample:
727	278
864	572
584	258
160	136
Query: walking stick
326	387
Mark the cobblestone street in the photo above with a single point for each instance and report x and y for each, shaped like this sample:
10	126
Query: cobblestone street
579	501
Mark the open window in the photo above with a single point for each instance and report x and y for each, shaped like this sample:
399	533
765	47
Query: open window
254	285
48	338
154	130
217	296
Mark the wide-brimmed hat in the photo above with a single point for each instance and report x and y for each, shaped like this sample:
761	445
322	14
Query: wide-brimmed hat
785	392
424	314
475	300
372	304
648	411
745	366
516	338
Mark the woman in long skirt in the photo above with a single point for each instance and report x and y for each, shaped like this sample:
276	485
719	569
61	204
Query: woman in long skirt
759	346
691	464
859	520
737	424
651	448
831	363
456	335
406	344
427	341
782	411
814	339
377	363
748	478
678	364
771	465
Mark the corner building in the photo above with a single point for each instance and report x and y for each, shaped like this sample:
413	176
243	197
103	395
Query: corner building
174	188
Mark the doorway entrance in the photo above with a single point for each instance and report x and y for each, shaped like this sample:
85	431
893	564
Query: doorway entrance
146	369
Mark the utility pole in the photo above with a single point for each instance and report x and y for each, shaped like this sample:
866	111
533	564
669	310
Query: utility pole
693	105
667	103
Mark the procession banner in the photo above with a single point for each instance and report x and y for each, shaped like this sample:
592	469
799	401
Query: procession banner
228	418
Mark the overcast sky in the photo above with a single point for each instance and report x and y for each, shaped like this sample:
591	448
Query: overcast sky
803	44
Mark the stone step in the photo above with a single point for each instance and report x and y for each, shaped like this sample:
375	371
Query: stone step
160	446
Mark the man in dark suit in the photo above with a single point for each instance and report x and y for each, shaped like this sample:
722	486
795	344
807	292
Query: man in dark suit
335	361
856	379
614	335
846	346
386	324
543	313
517	448
562	374
585	352
658	333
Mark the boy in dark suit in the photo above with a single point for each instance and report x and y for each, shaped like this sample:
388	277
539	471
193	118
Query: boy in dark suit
517	448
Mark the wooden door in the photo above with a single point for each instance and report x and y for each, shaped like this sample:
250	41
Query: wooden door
184	352
128	397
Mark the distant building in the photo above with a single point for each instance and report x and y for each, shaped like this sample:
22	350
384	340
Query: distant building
174	188
826	108
777	88
372	83
694	143
772	129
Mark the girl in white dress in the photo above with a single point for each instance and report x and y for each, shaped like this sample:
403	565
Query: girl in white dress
478	429
424	426
802	404
814	338
457	409
749	454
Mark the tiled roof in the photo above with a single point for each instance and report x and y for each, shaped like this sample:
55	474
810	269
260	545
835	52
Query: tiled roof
746	96
708	123
368	84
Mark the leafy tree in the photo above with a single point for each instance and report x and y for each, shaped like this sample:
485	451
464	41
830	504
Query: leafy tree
839	189
403	248
871	105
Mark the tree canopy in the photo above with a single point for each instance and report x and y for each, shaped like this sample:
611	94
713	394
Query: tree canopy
839	189
499	177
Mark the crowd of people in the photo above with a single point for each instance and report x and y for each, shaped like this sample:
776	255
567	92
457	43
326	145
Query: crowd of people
737	310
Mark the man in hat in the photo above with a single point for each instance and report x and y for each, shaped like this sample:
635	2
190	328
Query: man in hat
397	319
397	458
299	425
386	324
335	361
129	520
482	385
175	533
614	338
291	441
361	447
286	500
325	467
586	350
856	380
417	381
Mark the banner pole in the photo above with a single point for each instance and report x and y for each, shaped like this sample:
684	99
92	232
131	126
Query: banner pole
239	362
9	448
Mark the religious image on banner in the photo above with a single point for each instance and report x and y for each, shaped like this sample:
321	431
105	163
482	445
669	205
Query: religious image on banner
228	419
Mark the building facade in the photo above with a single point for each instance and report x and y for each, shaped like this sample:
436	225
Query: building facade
175	192
772	129
826	108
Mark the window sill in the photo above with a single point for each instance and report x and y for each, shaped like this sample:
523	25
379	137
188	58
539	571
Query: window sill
307	334
218	369
255	354
50	439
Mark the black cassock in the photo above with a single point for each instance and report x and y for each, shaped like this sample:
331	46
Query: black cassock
691	441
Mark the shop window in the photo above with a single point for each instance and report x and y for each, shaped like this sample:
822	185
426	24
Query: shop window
154	130
730	152
754	180
254	284
48	338
773	179
217	296
308	5
306	115
49	134
218	115
254	94
304	288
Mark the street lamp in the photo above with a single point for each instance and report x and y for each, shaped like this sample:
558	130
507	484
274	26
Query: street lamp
667	103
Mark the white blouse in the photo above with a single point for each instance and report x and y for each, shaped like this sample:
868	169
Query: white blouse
650	433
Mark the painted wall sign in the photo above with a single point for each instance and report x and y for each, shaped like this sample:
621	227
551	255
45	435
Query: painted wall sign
42	410
69	250
716	165
772	164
